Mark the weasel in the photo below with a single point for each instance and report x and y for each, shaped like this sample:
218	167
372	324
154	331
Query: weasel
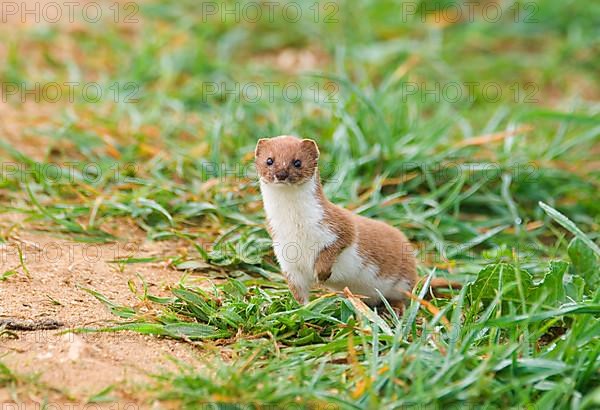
316	241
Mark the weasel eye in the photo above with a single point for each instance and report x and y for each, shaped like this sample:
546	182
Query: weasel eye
297	163
269	161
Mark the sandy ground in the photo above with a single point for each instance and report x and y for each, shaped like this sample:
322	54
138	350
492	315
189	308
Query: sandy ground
81	365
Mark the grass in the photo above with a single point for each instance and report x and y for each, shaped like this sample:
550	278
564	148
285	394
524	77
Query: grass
501	194
18	385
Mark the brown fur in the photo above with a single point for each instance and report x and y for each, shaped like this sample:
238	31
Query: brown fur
284	151
388	248
438	287
341	223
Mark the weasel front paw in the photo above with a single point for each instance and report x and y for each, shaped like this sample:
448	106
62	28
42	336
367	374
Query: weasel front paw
300	295
299	290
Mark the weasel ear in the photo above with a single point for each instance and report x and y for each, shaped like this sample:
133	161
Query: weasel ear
311	147
259	145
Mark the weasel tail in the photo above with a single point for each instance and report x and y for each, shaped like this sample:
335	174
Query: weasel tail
316	241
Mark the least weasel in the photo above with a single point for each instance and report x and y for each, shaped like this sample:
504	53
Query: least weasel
316	241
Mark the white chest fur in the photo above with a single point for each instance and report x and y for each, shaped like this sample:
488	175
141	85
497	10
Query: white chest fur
295	216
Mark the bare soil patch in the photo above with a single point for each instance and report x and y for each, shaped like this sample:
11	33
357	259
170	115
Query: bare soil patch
79	366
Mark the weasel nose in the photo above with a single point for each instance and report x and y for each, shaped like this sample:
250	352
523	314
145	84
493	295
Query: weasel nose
281	175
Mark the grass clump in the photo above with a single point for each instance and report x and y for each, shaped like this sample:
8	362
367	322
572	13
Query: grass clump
501	342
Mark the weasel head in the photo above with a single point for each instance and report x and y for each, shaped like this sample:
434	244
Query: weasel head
286	160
